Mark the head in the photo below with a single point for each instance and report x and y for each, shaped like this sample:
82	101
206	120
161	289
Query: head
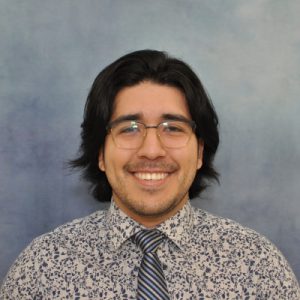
131	70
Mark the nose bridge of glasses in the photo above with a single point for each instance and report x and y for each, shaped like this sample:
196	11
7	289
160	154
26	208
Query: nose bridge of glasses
156	132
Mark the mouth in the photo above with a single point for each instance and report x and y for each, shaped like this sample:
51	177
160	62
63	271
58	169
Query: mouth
150	176
151	179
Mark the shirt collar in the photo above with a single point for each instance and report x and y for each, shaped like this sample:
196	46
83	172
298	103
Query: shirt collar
120	227
178	227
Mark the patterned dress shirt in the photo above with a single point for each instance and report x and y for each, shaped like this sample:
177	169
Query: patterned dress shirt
203	257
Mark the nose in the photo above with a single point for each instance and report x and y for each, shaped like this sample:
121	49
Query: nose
152	147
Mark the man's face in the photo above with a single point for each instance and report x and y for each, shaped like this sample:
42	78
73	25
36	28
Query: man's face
150	183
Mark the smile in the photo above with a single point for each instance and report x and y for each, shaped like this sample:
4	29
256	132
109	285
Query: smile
151	176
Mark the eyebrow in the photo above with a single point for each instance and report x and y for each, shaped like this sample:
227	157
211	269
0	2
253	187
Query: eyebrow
175	117
130	117
138	116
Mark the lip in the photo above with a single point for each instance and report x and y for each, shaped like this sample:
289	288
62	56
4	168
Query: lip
151	178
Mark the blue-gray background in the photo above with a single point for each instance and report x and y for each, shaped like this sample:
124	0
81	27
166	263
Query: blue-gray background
245	52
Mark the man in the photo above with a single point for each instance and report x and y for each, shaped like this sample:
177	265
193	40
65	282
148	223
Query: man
149	137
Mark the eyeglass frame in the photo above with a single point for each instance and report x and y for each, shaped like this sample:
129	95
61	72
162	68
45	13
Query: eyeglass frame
110	126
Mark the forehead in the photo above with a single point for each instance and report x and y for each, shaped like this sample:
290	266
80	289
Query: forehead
151	101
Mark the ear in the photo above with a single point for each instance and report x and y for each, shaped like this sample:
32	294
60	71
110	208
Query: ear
101	163
200	154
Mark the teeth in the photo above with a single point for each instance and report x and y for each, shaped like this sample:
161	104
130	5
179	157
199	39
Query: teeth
151	176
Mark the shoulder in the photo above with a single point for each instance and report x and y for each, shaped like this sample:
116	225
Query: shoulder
242	253
230	237
51	256
75	234
222	229
70	239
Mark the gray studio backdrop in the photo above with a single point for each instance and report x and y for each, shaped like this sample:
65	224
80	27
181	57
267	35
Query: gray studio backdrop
245	52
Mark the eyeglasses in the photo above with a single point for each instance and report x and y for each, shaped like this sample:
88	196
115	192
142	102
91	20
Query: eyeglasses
131	134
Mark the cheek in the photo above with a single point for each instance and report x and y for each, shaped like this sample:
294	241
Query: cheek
115	160
187	160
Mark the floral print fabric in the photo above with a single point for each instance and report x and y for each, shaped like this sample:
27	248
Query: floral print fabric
203	257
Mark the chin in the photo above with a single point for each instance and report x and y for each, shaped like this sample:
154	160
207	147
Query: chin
155	210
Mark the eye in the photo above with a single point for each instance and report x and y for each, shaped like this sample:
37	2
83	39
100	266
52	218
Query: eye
130	129
127	128
173	127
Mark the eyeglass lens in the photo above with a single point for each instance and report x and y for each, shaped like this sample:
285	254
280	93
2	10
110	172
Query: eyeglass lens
131	134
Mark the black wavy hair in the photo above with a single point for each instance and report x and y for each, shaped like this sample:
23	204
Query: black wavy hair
129	70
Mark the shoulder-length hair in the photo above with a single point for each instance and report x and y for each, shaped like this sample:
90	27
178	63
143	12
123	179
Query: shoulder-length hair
129	70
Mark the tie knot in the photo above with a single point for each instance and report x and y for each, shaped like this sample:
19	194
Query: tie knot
148	240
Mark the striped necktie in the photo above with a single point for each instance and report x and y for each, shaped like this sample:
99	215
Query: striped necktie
151	281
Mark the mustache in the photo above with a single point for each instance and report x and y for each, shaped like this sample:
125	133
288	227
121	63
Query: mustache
151	165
